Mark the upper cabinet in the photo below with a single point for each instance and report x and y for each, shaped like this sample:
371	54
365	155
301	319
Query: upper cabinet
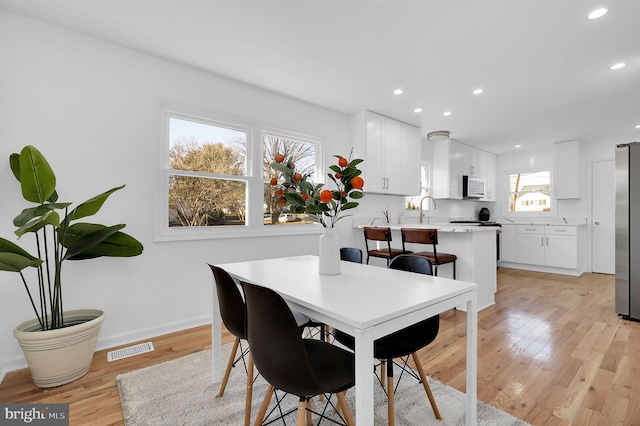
452	160
392	153
567	170
447	169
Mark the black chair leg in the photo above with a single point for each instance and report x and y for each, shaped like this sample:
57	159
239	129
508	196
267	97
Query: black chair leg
454	269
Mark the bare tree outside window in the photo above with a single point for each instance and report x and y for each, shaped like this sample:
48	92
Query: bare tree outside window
303	155
530	191
202	188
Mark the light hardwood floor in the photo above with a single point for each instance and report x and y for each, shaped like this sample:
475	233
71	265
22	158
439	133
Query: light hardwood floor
551	352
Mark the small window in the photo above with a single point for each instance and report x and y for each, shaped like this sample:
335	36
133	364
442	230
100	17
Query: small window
529	192
413	203
305	154
207	174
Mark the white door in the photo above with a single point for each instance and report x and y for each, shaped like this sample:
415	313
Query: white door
603	201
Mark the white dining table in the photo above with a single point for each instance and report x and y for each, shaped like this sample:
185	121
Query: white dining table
365	301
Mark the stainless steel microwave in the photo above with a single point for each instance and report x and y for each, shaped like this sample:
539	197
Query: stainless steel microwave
472	187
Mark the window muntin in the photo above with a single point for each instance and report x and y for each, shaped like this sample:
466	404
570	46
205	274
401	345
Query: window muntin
305	154
207	179
529	192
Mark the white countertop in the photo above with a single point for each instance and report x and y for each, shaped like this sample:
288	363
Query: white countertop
441	227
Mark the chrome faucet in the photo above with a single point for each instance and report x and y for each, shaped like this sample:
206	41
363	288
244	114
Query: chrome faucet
427	197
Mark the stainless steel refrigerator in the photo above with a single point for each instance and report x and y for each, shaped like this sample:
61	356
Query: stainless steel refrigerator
628	230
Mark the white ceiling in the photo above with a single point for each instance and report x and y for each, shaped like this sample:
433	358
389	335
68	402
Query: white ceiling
543	66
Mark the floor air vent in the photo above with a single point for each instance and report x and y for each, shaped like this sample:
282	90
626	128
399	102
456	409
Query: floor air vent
129	351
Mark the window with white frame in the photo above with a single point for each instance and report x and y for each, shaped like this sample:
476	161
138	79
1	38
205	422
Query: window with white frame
207	173
304	152
217	177
413	203
529	192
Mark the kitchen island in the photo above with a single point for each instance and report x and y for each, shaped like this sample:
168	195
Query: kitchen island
475	247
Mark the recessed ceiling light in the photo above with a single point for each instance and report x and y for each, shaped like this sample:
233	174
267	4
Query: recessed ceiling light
518	146
618	66
598	13
417	110
398	92
478	91
446	113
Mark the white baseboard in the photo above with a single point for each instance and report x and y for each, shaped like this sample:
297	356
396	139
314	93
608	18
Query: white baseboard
125	339
119	340
540	268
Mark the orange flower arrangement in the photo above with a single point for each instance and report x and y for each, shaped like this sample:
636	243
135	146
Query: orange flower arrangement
321	204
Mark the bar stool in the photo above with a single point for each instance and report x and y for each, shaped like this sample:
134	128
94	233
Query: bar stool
428	236
375	233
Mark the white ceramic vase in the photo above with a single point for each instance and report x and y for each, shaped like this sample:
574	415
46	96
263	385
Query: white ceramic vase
329	252
60	356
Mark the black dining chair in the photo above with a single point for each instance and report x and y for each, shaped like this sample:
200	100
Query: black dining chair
232	311
351	254
288	362
404	342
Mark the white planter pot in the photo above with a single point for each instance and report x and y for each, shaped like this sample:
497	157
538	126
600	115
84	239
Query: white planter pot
56	357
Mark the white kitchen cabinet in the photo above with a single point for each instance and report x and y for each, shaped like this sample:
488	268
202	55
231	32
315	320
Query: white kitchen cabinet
470	161
508	243
567	170
452	160
411	159
530	247
392	153
561	246
447	169
488	168
550	245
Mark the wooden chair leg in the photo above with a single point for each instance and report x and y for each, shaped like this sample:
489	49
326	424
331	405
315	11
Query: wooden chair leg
342	403
302	407
383	373
229	365
426	386
390	394
308	410
249	393
264	406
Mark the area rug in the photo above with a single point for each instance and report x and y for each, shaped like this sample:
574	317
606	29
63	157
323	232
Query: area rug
180	392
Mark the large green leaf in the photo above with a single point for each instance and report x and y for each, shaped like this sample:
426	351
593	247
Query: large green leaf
12	262
14	258
50	218
37	179
88	240
14	163
89	207
27	214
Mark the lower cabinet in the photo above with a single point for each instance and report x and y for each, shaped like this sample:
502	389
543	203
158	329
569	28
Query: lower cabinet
549	245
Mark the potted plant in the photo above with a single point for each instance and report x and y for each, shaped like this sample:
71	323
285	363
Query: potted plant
58	345
322	205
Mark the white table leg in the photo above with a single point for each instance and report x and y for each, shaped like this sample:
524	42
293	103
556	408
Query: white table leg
364	381
216	339
472	362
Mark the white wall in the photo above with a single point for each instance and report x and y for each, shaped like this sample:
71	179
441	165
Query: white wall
93	109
